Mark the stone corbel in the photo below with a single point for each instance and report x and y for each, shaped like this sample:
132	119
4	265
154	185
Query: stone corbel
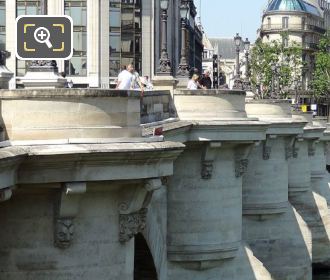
133	213
5	194
295	149
291	151
311	147
241	159
208	157
65	212
267	148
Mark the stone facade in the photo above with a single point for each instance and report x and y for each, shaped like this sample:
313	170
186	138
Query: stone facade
98	41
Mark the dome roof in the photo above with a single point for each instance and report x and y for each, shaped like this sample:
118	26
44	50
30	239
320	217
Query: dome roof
292	5
286	5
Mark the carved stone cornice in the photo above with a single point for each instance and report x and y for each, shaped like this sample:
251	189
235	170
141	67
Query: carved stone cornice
66	210
132	224
241	166
267	148
291	149
208	156
133	213
241	158
312	147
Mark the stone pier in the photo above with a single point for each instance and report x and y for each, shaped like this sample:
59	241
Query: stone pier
277	234
204	196
310	204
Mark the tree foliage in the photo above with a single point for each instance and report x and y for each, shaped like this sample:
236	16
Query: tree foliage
320	84
287	62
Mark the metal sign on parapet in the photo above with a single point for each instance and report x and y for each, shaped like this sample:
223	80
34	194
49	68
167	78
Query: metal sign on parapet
44	37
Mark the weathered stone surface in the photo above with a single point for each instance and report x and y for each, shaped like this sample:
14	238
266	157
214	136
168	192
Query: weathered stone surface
270	224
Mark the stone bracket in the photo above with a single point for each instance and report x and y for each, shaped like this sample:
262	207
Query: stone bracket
291	151
5	194
311	147
133	213
267	148
241	159
208	156
66	210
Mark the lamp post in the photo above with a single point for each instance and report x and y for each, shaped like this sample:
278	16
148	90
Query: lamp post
247	84
297	87
247	49
164	62
238	84
274	67
183	66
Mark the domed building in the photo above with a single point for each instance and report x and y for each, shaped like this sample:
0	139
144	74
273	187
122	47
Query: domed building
303	21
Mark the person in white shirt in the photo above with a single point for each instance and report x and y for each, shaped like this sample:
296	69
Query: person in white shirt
125	78
193	82
129	79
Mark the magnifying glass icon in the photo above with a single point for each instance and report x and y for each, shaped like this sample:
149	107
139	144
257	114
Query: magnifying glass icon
41	35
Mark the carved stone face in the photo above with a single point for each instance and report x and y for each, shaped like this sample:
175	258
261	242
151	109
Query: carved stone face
64	233
207	169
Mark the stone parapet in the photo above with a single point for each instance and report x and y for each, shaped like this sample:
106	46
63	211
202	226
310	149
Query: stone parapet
157	106
210	105
69	113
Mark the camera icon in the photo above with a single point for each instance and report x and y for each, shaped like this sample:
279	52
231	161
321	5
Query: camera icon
44	37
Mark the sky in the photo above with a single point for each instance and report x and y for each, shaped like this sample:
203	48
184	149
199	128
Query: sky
224	18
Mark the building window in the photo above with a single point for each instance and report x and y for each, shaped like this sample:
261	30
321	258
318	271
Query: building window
303	23
77	65
2	25
125	35
26	7
269	23
285	22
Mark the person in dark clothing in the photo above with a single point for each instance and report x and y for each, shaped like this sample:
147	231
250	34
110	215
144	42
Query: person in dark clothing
206	81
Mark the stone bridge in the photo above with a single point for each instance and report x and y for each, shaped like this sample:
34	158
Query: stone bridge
198	185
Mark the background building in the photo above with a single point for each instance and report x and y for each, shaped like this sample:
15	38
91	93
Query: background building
108	34
304	22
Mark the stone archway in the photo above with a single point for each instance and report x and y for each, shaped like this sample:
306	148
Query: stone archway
144	267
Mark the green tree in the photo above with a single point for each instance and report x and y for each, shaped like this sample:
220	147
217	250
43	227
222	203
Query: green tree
320	84
275	67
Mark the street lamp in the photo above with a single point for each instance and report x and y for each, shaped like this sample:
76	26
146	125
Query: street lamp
183	66
297	87
237	81
247	85
274	67
164	4
164	62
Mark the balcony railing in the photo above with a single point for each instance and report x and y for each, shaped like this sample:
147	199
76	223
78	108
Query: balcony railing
299	27
310	46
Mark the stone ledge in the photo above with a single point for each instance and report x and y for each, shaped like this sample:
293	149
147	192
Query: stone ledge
203	252
265	209
66	93
209	92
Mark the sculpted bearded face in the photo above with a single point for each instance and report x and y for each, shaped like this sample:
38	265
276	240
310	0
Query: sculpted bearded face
64	233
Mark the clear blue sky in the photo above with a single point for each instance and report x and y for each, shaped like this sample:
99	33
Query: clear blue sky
223	18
